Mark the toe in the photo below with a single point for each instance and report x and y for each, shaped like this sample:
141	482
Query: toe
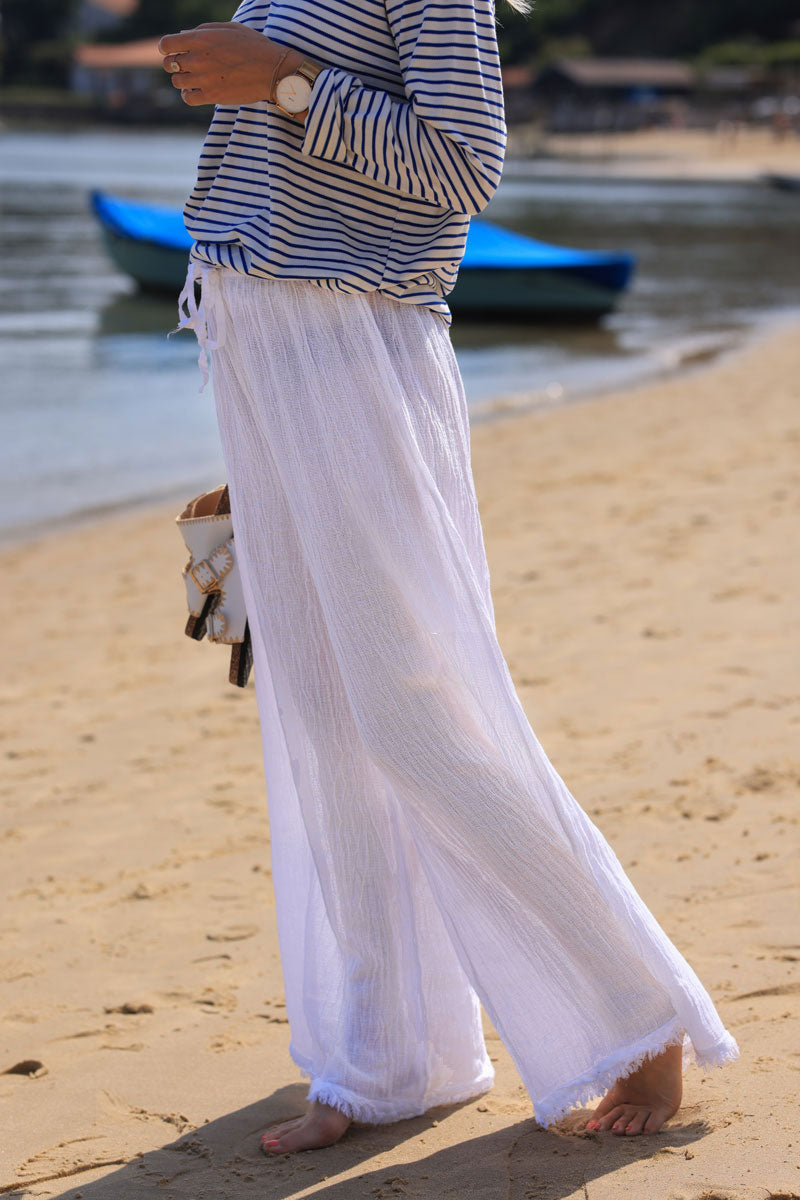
304	1137
620	1124
305	1133
272	1145
656	1120
278	1128
294	1140
273	1132
608	1118
279	1125
604	1109
636	1123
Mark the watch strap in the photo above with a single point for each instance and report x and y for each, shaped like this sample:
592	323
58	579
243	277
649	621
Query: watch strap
309	70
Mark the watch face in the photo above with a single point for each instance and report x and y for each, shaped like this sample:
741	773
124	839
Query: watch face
293	93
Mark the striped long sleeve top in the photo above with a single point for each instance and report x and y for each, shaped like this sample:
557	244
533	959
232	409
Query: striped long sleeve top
404	140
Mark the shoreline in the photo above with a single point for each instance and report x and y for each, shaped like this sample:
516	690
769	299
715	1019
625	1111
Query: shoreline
88	518
735	341
729	153
645	604
500	408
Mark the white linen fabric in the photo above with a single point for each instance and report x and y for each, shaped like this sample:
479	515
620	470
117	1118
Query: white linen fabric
426	854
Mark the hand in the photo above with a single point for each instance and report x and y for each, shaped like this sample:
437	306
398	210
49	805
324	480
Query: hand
224	62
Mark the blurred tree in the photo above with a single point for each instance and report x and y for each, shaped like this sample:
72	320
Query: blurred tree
36	36
782	54
679	29
168	16
35	40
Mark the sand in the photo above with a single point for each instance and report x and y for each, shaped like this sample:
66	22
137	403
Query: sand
643	550
728	152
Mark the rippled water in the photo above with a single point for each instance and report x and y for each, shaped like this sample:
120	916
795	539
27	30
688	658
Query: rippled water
99	409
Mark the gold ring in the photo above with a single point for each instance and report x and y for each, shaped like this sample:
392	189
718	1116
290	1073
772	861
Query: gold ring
174	66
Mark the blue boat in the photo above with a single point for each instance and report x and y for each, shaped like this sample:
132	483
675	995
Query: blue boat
502	274
784	183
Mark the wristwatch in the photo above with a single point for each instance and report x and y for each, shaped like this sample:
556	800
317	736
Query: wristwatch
293	92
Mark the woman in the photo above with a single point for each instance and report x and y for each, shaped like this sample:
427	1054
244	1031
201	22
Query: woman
427	856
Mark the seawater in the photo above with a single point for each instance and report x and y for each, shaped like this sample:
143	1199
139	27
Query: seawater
100	409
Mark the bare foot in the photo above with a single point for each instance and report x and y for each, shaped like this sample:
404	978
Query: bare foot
321	1126
645	1099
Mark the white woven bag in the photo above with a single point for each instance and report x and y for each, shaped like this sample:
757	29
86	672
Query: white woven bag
213	583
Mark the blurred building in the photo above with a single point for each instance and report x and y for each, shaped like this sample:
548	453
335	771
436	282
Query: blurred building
98	16
613	78
125	76
731	92
518	93
586	94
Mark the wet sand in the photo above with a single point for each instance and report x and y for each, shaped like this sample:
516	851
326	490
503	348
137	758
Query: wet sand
644	569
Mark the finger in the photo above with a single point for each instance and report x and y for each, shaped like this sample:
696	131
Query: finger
170	43
173	43
194	96
168	61
182	79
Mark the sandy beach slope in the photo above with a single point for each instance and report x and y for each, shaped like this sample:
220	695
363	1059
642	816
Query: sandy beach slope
643	550
729	152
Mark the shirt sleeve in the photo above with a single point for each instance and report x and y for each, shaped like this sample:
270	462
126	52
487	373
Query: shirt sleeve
445	143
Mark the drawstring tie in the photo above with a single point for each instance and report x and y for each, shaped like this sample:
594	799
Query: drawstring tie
204	318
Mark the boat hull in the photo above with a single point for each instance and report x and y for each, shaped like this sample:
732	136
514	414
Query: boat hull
480	291
784	183
158	269
503	274
521	291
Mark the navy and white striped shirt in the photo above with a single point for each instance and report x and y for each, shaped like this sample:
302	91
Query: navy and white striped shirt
404	140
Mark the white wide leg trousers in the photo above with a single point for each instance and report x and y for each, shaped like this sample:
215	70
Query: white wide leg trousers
426	855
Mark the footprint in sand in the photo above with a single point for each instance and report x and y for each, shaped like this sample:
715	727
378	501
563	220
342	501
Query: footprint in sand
780	989
786	953
276	1012
233	933
758	780
211	1001
130	1007
715	764
177	1120
394	1186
